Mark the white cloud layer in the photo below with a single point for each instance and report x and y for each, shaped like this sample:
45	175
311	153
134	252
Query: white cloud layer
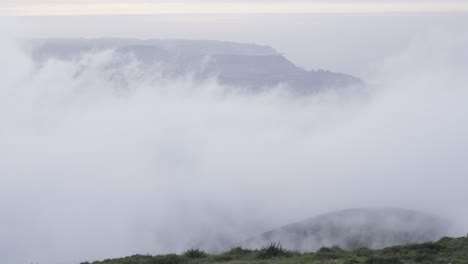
93	171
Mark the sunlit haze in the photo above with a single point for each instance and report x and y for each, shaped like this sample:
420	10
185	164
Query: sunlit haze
45	8
139	128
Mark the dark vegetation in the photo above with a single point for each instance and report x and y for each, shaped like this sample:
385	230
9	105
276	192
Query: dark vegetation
444	251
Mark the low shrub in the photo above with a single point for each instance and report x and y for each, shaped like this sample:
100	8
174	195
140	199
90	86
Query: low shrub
363	252
168	259
383	260
352	261
334	252
195	254
274	250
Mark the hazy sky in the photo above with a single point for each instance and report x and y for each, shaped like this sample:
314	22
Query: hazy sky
89	173
340	35
346	43
106	7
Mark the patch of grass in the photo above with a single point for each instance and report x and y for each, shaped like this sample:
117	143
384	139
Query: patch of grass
363	252
383	260
168	259
446	250
352	261
334	252
274	250
238	251
195	254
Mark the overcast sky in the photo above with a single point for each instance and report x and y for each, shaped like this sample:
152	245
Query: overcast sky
87	174
340	35
106	7
351	44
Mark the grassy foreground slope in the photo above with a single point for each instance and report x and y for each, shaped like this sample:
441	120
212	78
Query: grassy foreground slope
446	250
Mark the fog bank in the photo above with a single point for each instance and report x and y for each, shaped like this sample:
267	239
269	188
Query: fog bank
90	170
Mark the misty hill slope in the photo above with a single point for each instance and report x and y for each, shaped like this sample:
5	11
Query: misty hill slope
249	66
446	250
354	228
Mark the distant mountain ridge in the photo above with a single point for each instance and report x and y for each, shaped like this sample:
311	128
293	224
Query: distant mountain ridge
249	66
354	228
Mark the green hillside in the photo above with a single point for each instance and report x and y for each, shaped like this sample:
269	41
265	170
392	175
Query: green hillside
446	250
